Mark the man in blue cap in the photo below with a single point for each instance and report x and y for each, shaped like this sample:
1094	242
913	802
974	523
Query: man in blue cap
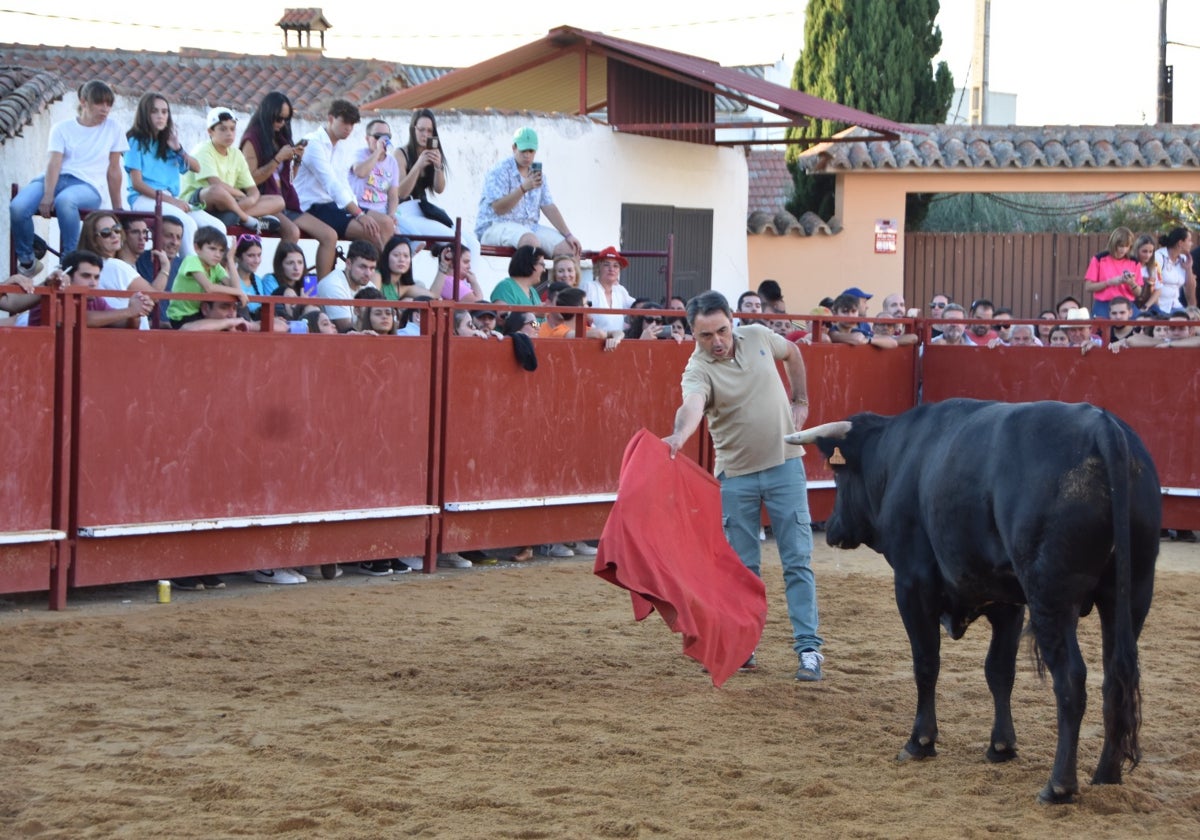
515	195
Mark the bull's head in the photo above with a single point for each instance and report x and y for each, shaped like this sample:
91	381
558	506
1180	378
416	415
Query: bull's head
852	522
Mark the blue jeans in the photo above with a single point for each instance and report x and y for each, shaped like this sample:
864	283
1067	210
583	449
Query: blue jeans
784	492
70	196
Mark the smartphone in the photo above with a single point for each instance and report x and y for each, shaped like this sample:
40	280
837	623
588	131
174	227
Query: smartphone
310	285
536	166
431	143
302	142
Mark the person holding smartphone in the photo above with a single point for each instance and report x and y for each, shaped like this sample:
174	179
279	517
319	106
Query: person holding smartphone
515	196
375	176
1113	273
423	171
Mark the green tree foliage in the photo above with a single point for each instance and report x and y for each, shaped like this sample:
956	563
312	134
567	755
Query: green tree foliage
1153	213
876	56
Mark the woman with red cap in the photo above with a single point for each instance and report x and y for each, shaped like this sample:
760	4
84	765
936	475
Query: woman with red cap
605	290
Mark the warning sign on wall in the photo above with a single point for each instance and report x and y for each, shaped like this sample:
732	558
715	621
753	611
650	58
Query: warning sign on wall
886	237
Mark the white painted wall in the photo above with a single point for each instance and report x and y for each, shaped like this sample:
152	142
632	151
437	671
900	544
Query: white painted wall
591	169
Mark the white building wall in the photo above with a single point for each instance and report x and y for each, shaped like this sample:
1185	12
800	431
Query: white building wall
592	171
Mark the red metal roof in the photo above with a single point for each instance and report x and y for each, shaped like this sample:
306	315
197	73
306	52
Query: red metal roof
504	77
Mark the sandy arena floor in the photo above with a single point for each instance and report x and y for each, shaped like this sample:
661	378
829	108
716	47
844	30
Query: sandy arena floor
524	702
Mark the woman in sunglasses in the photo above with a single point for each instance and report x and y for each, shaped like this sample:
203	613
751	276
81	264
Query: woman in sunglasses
273	157
102	234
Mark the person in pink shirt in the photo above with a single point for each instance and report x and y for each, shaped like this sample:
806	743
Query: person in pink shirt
1113	273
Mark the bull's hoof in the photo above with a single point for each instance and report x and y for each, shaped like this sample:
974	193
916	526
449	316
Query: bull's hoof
998	753
913	752
1056	795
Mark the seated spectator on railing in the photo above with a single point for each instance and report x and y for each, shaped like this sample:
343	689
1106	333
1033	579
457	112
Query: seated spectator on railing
515	195
1141	332
223	185
324	188
395	271
981	331
84	166
559	325
247	256
525	323
219	316
937	307
374	175
751	303
1179	331
204	271
567	270
344	283
1003	324
1113	273
83	268
464	325
423	170
102	234
287	280
1120	309
605	290
647	326
133	249
318	322
155	161
273	158
893	307
525	270
468	287
150	263
954	331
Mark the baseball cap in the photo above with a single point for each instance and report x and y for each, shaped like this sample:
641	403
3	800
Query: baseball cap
525	139
218	115
854	291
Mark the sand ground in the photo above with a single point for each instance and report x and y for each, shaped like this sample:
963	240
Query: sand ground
524	702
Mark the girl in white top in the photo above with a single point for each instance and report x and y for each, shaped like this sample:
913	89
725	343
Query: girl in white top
1175	263
83	171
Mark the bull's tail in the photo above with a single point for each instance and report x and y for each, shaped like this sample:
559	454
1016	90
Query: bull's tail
1122	679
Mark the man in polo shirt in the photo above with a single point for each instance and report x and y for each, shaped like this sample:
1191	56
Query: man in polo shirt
515	196
731	380
323	184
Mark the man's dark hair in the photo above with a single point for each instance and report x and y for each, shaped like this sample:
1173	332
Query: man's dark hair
570	296
368	293
981	302
1071	298
77	258
707	303
745	295
1003	310
170	220
363	250
770	292
844	304
345	109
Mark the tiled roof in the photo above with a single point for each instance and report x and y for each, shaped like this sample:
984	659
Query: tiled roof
781	223
771	184
1015	147
237	81
23	93
735	106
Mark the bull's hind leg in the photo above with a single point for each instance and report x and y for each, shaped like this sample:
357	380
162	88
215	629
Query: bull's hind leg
1054	626
1001	670
924	636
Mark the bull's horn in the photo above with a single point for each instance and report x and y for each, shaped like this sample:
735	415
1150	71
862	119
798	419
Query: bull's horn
835	431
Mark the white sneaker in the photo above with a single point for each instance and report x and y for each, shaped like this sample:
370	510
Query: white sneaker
559	550
584	550
453	561
279	576
33	269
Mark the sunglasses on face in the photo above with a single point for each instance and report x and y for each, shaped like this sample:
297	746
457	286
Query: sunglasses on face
115	230
280	118
653	319
937	305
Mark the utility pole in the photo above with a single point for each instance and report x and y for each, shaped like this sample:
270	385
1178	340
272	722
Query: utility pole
979	62
1165	71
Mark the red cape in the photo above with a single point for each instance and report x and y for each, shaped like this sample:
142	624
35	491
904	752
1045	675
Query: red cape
664	543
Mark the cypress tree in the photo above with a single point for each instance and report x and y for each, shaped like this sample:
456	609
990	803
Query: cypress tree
876	56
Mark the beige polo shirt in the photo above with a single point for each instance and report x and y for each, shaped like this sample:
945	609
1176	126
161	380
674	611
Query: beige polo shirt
745	401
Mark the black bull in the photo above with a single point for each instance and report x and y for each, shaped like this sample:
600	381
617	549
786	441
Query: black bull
981	508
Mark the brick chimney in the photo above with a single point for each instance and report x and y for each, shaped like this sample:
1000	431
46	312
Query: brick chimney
304	22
